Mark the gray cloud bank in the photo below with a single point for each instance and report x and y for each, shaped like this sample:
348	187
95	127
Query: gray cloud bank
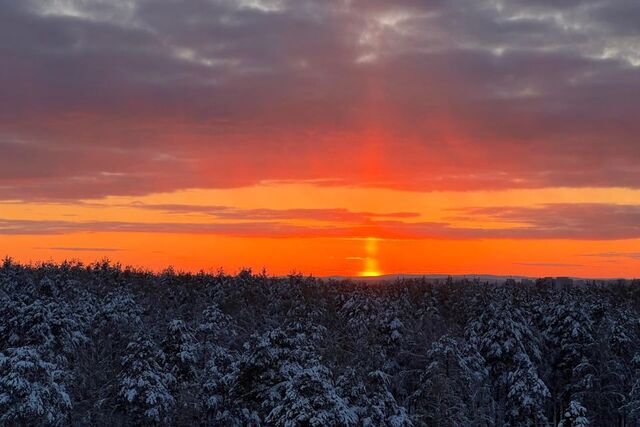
138	96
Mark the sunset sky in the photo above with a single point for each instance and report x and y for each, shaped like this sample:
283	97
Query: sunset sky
328	137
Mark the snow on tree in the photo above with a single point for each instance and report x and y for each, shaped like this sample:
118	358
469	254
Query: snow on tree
607	367
526	394
215	330
311	399
351	387
216	391
279	365
500	333
407	352
215	388
51	326
118	313
32	390
182	353
504	338
633	405
10	273
215	323
395	328
453	385
570	332
569	336
574	416
621	334
360	312
180	348
145	383
47	287
267	361
382	409
10	305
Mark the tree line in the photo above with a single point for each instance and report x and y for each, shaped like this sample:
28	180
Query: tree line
100	344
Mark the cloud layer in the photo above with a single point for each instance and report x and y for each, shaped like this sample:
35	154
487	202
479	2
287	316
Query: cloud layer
138	96
554	221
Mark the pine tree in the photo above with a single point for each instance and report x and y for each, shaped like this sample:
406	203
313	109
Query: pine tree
32	390
453	388
506	341
311	399
574	416
633	405
569	337
145	383
219	406
382	409
352	388
268	360
526	394
181	351
51	326
118	314
215	331
215	388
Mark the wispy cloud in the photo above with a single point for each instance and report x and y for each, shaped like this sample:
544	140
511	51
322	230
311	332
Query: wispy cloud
549	264
632	255
79	249
232	213
562	221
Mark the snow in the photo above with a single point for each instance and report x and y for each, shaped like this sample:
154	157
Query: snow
94	345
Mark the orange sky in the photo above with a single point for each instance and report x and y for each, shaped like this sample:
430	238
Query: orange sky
354	137
319	231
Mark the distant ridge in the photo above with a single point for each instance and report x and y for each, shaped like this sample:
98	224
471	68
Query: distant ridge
391	277
492	278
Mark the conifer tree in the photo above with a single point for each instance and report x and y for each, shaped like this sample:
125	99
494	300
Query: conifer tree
145	383
32	390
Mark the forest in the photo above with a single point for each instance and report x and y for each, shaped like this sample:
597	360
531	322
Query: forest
100	344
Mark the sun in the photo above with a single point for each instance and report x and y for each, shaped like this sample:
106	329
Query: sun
370	274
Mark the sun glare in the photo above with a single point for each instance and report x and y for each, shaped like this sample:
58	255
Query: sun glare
371	268
370	274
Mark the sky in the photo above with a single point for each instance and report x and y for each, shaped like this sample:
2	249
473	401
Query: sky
326	137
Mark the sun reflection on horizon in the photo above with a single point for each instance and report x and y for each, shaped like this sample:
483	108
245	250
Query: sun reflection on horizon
371	267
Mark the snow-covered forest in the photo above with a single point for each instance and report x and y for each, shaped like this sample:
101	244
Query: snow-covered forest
104	345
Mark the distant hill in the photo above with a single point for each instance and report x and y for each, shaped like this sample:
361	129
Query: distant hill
490	278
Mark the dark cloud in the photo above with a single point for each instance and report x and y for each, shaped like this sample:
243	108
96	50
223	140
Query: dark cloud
139	96
590	221
621	16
